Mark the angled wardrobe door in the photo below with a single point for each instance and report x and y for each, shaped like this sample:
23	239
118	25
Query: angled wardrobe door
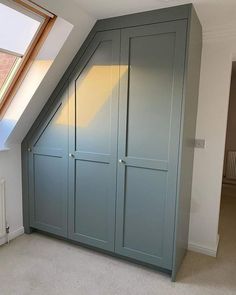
149	124
48	171
93	100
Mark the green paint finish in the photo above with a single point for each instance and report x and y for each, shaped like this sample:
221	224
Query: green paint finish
125	112
149	122
189	116
48	175
93	142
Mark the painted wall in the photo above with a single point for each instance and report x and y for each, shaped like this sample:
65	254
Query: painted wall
218	52
230	144
10	169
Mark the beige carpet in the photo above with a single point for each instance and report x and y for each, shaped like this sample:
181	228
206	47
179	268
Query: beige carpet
36	264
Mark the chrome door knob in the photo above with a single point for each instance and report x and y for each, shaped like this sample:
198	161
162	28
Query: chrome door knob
71	155
121	161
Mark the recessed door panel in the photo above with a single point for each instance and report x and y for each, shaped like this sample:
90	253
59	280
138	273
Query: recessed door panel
144	207
49	190
150	95
92	200
93	142
149	124
55	131
93	101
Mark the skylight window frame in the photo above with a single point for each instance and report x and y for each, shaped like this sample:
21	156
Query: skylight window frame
46	22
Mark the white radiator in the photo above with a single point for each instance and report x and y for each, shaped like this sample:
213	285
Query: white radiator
2	209
231	165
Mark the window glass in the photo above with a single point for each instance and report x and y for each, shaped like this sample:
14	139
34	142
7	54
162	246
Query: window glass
7	62
8	67
19	27
16	30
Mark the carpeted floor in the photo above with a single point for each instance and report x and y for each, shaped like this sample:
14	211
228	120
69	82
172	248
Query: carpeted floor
36	264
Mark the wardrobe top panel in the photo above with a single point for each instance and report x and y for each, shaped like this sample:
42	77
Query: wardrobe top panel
143	18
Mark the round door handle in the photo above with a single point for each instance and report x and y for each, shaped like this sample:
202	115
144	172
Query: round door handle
71	155
121	161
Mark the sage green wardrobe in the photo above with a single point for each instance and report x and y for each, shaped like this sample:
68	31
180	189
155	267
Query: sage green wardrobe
108	162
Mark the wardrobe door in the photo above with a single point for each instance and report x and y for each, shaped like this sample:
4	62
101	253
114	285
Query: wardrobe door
149	135
93	142
48	171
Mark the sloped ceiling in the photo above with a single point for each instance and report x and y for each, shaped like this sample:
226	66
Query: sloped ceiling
82	22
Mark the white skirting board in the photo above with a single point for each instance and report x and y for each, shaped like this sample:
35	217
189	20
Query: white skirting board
2	208
203	249
191	246
12	235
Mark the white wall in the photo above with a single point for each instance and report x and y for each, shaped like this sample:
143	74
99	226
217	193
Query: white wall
10	170
230	144
218	53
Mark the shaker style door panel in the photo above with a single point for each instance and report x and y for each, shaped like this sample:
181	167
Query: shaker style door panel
48	167
93	99
108	162
151	91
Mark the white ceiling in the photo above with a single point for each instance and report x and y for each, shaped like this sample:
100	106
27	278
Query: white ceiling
212	13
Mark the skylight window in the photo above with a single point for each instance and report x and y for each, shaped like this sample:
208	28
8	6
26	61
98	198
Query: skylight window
21	26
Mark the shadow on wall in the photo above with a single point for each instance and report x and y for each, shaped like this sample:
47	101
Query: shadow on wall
229	173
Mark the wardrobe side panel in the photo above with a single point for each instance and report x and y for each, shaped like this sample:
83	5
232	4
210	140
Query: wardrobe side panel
189	116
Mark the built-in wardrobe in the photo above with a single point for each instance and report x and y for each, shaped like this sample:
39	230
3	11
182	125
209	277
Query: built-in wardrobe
108	162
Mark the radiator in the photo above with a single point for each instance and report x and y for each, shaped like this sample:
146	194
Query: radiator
2	209
231	165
